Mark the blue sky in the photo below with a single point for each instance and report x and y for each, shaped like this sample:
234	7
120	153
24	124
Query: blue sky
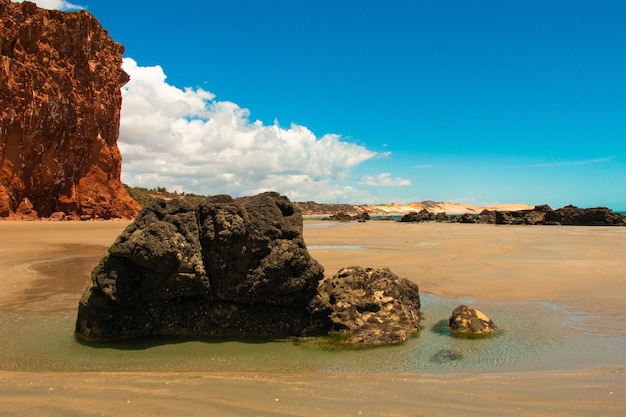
479	102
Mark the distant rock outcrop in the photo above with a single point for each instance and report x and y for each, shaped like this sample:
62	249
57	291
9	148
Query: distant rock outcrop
539	215
345	217
597	216
486	216
60	101
416	217
566	216
309	208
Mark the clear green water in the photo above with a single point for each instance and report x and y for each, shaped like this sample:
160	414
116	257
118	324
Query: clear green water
536	336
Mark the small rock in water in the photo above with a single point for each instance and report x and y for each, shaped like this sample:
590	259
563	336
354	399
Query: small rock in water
469	321
446	355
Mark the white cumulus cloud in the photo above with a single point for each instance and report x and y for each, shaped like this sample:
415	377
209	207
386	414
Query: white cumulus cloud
185	140
53	4
384	180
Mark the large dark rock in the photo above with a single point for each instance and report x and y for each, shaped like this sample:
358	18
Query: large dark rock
236	268
369	306
224	268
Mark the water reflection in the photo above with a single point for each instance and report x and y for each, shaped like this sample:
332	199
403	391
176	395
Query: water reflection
56	281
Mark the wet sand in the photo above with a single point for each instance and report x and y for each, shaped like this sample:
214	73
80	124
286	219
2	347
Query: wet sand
581	268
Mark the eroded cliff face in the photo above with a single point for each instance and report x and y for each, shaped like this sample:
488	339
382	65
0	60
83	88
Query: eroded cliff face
60	102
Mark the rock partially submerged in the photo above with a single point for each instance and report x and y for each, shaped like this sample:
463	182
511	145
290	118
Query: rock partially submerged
236	268
469	321
444	356
224	268
370	306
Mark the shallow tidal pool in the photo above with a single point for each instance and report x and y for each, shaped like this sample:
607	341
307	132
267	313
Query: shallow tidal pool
534	337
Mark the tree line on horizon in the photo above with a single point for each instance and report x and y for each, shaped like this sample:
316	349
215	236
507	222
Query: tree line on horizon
144	195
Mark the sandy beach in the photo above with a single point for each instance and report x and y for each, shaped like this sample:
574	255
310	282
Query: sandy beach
44	268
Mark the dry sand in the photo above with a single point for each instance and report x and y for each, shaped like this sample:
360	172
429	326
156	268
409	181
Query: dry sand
582	268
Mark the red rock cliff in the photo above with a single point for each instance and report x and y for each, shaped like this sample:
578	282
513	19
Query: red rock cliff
60	101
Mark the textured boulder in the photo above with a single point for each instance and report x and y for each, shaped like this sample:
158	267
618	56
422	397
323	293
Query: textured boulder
224	268
469	321
60	101
370	306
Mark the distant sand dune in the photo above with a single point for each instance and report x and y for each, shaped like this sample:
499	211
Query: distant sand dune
440	207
